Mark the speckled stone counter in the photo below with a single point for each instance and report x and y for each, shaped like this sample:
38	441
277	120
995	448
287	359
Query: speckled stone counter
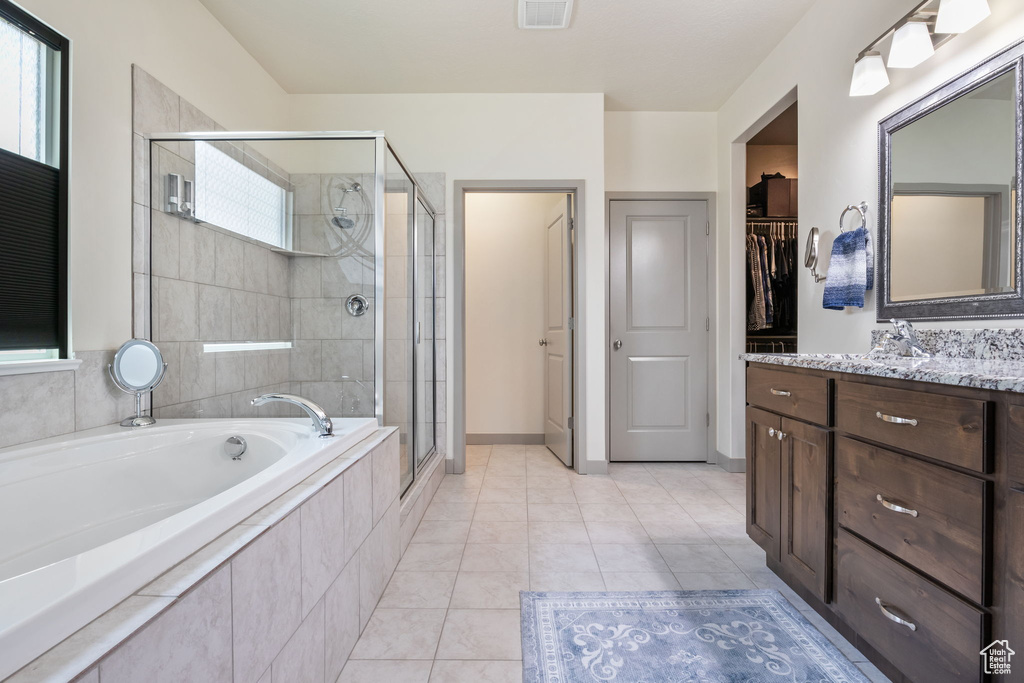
999	375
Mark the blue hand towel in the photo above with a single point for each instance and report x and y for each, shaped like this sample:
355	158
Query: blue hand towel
851	270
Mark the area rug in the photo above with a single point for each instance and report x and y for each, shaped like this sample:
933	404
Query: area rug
728	636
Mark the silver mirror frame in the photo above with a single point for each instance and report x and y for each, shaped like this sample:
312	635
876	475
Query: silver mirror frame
996	305
114	370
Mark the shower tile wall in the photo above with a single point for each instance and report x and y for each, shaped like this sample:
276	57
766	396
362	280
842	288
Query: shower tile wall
210	285
333	354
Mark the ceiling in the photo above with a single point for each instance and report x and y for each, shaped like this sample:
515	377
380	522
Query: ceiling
653	55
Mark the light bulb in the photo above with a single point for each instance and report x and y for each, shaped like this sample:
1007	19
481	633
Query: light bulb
911	45
869	75
959	16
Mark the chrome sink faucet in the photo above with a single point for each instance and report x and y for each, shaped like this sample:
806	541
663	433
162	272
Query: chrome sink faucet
321	423
905	339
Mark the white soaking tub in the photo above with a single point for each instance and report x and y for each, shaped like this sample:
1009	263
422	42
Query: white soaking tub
88	519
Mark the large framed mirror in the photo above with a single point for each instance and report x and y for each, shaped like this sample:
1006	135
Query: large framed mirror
950	242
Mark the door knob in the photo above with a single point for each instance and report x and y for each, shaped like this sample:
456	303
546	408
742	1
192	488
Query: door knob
543	342
617	344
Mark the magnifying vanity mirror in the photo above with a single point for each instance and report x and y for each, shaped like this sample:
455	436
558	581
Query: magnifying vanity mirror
138	368
950	208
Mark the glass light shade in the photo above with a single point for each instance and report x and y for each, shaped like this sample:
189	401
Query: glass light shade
958	16
911	45
869	75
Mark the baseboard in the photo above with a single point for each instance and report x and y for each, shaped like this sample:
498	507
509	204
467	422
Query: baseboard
734	465
501	439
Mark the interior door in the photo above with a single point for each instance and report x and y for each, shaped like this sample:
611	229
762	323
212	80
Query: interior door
558	333
659	330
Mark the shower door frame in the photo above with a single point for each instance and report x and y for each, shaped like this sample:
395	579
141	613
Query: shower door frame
142	291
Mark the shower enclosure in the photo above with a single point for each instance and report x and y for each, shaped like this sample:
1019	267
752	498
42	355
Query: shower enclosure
293	262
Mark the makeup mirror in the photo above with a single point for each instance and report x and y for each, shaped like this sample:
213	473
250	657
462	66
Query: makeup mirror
138	368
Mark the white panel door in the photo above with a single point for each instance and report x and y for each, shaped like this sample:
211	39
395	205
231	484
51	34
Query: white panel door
658	330
557	341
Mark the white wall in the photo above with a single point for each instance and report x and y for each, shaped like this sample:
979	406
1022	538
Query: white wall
660	151
837	158
499	137
179	43
506	249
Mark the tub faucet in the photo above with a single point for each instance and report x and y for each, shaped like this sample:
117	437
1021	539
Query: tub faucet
905	339
321	423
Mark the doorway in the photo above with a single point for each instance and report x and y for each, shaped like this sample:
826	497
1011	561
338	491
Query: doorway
771	236
520	344
660	329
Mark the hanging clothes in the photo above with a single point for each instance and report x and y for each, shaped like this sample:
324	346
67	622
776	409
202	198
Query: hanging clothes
771	276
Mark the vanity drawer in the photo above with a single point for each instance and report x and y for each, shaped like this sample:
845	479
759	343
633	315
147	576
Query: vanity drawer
804	397
947	632
938	524
947	428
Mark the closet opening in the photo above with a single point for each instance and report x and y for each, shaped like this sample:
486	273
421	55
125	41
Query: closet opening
771	240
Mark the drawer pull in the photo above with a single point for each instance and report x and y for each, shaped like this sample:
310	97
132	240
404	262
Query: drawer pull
894	507
777	392
893	617
896	420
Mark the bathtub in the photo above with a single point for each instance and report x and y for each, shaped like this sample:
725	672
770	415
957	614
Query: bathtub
88	519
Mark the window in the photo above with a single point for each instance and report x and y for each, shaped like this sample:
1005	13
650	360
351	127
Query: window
231	196
33	188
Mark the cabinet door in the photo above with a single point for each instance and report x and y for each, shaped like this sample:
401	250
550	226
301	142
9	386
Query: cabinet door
806	519
764	519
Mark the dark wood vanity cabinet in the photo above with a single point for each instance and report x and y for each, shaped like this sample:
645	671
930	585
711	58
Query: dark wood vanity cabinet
895	508
788	473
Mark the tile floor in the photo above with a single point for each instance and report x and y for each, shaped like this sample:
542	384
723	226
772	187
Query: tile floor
519	520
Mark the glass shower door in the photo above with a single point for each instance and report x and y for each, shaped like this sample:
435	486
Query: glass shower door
425	370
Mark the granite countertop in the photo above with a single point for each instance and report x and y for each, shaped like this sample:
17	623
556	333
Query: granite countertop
994	374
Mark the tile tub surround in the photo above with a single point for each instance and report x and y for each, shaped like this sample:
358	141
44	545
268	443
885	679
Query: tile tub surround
284	594
41	405
1006	344
998	375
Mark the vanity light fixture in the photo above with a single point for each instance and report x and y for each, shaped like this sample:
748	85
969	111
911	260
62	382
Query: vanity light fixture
959	16
915	38
869	75
911	45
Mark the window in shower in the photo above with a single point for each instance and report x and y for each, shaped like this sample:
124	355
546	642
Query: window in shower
230	195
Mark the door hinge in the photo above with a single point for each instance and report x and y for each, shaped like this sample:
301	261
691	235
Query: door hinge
572	423
707	419
707	324
572	323
707	227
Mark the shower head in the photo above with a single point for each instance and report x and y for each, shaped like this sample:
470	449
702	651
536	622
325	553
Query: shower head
343	222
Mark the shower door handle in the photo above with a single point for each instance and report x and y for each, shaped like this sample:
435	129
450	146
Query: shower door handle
418	332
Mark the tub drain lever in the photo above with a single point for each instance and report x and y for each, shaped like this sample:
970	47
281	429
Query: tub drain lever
235	447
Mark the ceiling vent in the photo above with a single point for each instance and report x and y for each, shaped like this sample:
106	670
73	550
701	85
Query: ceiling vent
544	14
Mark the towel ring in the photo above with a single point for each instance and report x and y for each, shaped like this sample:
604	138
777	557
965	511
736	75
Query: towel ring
859	208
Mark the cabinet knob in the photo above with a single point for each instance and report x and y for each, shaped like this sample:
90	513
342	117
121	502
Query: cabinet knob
771	431
781	435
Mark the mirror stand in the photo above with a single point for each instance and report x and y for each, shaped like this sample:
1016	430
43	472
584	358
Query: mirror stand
137	420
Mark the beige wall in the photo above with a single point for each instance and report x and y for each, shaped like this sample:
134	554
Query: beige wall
505	287
838	164
770	159
660	151
179	43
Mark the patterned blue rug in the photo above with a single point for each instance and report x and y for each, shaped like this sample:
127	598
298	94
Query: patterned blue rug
729	636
